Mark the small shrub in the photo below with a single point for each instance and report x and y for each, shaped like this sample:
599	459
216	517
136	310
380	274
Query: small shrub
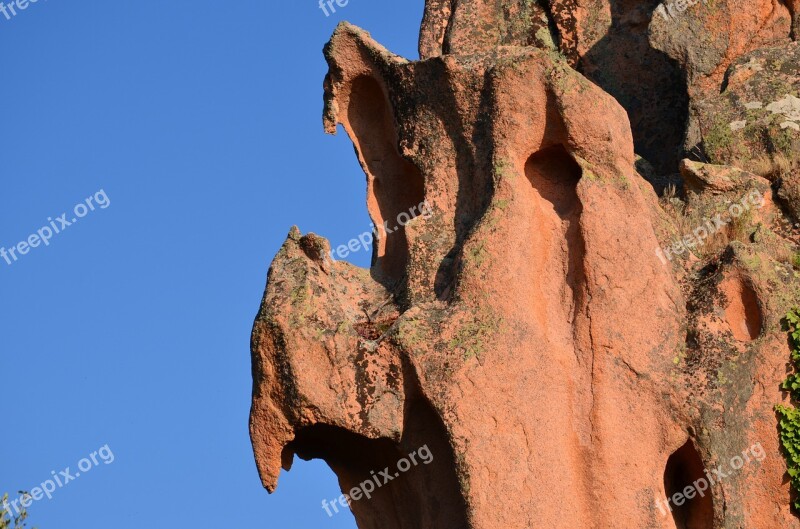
789	416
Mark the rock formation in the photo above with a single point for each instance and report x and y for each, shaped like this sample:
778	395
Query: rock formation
538	328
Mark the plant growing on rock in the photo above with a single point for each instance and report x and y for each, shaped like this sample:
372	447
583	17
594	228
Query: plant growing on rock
789	416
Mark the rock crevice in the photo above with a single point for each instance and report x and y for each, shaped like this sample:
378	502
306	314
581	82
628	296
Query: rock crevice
539	328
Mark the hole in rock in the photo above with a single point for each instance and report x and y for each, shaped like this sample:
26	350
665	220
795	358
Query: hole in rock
742	310
554	175
353	458
298	500
684	468
419	491
396	187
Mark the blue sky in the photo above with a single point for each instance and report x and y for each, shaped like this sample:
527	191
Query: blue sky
201	123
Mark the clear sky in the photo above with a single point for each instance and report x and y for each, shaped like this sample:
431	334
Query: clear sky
195	128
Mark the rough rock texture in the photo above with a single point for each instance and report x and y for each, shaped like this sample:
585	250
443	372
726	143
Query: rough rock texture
794	7
655	58
605	40
540	330
758	112
707	37
789	194
464	28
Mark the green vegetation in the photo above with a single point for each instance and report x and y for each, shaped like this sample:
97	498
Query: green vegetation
782	141
474	337
6	521
789	416
478	254
718	141
411	333
545	38
796	260
742	227
503	169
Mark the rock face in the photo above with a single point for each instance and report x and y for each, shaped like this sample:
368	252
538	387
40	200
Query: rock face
757	113
655	58
569	348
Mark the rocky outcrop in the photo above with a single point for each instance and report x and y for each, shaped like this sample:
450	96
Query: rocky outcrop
757	114
464	28
605	40
705	38
570	348
656	59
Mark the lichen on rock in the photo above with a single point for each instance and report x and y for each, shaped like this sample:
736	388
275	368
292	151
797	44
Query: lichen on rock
572	347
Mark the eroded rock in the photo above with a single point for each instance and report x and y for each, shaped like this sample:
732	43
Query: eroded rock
757	115
530	329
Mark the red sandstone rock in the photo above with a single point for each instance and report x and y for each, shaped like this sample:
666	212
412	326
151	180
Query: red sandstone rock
527	331
655	59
